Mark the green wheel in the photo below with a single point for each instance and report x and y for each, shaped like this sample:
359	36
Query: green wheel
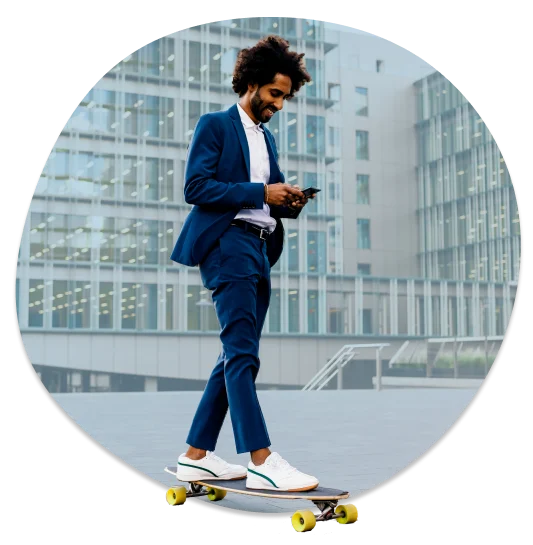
303	521
348	512
176	495
215	494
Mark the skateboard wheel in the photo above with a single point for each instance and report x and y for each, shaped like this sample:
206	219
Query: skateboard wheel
215	494
176	495
348	512
303	521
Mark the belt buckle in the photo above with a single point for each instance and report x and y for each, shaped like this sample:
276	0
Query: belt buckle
261	234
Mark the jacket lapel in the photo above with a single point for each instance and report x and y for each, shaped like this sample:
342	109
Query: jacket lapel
236	118
275	173
274	168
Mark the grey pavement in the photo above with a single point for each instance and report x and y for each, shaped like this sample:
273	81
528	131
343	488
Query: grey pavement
349	439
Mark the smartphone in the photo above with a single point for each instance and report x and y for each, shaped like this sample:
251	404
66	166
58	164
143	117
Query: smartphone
308	191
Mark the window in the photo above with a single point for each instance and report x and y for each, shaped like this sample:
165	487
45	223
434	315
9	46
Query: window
334	190
193	309
80	244
334	91
38	235
363	191
147	115
169	295
363	234
294	312
194	114
361	145
105	305
334	139
379	66
149	248
293	250
215	72
312	88
292	133
363	268
274	311
336	304
129	177
312	311
79	308
159	57
367	321
195	61
96	112
229	58
315	135
311	29
105	233
146	307
316	251
59	298
361	101
36	305
156	58
129	298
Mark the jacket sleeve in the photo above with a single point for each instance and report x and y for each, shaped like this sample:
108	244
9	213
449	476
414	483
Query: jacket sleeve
201	187
284	212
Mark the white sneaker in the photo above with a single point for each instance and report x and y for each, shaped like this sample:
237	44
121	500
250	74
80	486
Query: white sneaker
210	467
277	474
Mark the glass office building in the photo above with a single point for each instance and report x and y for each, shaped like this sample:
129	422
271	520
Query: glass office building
469	229
109	205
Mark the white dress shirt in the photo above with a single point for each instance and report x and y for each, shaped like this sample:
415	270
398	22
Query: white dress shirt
259	171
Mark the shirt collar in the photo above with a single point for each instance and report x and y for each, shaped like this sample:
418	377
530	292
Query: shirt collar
248	122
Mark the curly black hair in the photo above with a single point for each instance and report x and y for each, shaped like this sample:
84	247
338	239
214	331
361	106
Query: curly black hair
268	57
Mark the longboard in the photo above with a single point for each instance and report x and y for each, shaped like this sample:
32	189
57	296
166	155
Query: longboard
326	499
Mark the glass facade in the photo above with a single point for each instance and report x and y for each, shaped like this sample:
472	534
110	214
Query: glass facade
468	216
109	205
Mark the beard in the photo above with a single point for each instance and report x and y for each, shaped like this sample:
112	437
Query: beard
257	106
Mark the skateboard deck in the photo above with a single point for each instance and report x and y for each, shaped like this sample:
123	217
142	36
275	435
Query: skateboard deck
326	499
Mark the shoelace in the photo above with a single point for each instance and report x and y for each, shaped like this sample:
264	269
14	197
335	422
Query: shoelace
213	456
275	460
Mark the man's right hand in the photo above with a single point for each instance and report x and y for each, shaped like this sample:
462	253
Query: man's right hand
283	194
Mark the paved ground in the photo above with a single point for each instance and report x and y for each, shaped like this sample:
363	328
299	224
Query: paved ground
350	439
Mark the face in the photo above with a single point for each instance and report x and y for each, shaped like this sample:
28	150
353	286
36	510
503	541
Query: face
267	100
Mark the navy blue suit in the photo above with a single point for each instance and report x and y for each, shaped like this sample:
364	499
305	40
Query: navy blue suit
234	264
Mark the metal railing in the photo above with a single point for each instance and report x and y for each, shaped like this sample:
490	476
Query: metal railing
338	362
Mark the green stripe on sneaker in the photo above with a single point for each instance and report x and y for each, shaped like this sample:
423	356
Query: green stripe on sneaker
198	467
264	477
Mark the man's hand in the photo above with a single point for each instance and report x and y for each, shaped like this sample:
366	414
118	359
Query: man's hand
300	203
284	195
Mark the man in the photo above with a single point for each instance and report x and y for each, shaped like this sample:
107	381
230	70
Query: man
235	234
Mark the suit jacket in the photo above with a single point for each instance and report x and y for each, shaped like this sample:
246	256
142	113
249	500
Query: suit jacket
217	183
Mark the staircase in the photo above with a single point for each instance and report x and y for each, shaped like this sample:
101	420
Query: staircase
338	361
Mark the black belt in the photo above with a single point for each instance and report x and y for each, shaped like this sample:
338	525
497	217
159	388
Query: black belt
263	234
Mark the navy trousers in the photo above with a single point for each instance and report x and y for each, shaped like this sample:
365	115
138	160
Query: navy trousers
238	272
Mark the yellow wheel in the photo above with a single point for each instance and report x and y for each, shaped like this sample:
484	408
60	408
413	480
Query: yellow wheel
215	494
303	521
176	495
348	512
